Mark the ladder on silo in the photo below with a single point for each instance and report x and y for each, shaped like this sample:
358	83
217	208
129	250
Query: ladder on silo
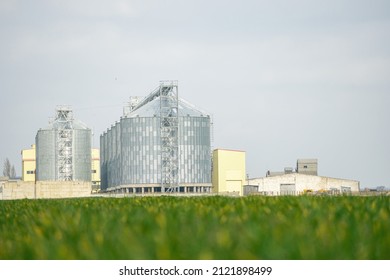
169	133
64	143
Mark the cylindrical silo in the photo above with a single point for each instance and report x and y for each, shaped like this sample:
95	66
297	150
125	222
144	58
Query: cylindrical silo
64	149
81	153
132	150
45	155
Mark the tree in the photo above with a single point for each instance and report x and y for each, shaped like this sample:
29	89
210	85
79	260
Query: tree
8	169
13	173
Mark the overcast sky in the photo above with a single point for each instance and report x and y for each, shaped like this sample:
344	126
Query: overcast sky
283	79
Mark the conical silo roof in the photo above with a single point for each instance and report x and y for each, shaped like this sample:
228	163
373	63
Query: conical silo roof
152	109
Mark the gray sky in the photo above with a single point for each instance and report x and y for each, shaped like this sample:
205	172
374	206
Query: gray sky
282	79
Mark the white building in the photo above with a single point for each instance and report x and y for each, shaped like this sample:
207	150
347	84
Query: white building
300	181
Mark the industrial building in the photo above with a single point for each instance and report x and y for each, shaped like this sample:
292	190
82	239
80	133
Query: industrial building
228	172
95	169
303	180
160	144
60	163
28	164
63	150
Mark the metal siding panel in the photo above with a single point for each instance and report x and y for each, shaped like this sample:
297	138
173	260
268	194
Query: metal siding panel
140	146
82	155
46	159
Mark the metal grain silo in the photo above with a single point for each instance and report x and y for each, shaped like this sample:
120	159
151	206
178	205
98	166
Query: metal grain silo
161	144
45	155
64	149
81	153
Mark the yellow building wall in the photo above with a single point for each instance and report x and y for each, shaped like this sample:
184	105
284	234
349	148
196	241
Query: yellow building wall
229	173
95	166
28	164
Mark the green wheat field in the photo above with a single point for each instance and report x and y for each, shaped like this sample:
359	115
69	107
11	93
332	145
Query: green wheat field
192	228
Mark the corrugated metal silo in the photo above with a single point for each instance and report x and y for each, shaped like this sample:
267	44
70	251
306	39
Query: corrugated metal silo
82	154
161	144
64	149
46	155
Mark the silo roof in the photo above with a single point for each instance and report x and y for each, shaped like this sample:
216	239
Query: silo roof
152	108
79	125
76	124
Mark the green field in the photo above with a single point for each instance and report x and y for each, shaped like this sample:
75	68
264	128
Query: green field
196	228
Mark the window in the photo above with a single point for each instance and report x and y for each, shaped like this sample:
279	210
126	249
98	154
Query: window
93	171
305	166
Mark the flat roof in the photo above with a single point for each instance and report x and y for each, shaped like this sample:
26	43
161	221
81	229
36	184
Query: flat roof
307	175
230	150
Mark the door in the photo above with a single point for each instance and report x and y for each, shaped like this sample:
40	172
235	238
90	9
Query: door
287	189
